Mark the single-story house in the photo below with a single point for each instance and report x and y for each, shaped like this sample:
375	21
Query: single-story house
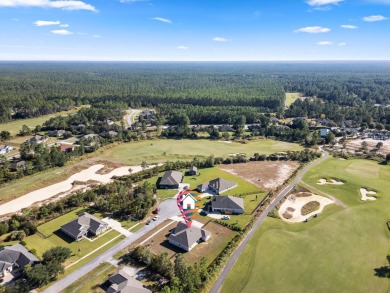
66	148
37	139
5	149
324	132
218	186
121	282
193	171
171	180
57	133
187	238
83	225
225	128
15	165
227	204
90	136
15	257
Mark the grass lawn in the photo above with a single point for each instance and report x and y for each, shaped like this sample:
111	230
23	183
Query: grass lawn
336	252
49	236
15	126
158	151
91	281
291	98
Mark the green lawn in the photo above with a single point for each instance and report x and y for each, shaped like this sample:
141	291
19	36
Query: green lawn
336	252
158	151
291	98
91	281
49	236
15	126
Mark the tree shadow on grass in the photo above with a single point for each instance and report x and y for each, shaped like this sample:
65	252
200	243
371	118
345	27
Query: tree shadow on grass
382	272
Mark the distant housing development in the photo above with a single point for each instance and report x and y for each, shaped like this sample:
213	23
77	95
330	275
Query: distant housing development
171	180
83	225
187	238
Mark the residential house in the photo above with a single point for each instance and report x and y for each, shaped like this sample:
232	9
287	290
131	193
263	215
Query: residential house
227	204
66	148
224	128
37	139
187	238
5	149
193	171
57	133
110	122
324	132
273	120
15	257
171	180
83	225
109	134
16	165
218	186
121	282
147	116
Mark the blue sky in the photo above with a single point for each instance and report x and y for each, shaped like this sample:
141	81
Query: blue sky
195	30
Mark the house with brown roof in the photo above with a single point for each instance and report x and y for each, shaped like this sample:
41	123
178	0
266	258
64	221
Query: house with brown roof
187	238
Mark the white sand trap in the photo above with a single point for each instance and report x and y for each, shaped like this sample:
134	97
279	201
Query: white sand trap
364	193
64	187
332	182
297	203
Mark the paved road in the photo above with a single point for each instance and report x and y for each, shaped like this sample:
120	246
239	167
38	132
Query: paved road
168	210
130	116
259	221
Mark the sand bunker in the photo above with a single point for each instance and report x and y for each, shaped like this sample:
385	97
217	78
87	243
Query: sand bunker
332	182
64	187
290	210
364	193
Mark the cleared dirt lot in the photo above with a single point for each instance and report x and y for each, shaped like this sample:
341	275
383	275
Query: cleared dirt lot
267	175
356	145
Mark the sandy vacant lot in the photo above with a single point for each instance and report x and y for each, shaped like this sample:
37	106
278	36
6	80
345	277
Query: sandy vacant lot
356	145
267	175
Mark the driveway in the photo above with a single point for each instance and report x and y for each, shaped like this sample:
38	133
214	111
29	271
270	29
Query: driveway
116	226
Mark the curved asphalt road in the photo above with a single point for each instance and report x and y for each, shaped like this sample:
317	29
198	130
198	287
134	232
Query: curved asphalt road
228	267
168	209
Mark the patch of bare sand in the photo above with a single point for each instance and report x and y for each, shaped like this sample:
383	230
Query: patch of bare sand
331	182
267	175
364	193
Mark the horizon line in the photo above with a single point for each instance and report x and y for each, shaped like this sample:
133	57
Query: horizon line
198	61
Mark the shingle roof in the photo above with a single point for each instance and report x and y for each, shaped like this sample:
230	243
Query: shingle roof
85	222
221	184
227	202
18	254
124	283
193	168
188	236
171	178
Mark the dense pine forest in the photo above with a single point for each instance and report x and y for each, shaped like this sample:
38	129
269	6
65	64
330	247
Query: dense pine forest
205	92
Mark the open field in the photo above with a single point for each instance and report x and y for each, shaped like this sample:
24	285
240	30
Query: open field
91	281
336	252
267	175
356	145
15	126
291	98
158	151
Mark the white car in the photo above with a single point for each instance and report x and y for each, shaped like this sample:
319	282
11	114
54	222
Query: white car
156	218
225	218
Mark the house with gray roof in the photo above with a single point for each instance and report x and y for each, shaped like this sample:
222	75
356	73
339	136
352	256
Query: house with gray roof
187	238
227	204
171	180
83	225
38	139
193	171
15	257
121	282
218	186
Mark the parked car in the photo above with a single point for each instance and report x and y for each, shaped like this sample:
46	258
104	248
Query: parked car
225	218
156	218
148	222
156	211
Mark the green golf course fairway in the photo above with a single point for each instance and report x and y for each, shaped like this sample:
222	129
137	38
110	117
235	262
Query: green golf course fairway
157	151
336	252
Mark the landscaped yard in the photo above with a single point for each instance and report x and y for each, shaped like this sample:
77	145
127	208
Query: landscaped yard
91	281
291	98
158	151
336	252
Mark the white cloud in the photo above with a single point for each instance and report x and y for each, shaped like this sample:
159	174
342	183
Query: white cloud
313	30
46	22
348	26
61	32
60	4
373	18
64	25
182	47
219	39
324	43
323	2
342	44
162	19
